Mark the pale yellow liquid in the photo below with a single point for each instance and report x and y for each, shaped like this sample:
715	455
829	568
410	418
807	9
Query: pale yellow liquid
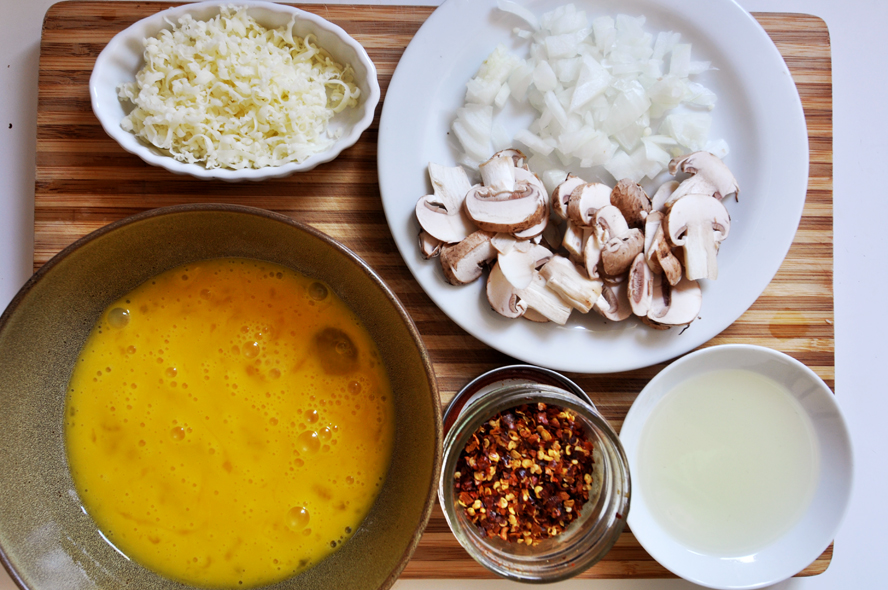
728	462
219	433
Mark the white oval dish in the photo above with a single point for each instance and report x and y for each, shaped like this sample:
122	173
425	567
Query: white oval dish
759	113
811	535
121	59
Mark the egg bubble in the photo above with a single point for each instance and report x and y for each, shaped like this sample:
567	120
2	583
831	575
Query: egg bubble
312	416
171	372
298	518
325	433
317	291
308	442
251	350
118	317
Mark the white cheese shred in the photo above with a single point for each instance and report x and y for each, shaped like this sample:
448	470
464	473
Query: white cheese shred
229	93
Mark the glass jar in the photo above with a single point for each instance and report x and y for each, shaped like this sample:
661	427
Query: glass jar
585	540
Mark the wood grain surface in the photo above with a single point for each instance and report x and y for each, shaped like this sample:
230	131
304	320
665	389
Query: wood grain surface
85	181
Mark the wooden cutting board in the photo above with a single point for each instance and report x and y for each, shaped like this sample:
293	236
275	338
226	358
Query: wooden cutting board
85	181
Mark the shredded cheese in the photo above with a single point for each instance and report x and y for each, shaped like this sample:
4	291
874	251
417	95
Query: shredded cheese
229	93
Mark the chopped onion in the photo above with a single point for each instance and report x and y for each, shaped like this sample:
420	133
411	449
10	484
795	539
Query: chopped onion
607	93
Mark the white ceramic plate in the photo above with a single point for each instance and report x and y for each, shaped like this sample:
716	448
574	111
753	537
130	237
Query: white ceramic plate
759	113
121	59
801	545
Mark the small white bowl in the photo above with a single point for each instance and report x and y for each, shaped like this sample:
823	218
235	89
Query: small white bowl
121	59
812	533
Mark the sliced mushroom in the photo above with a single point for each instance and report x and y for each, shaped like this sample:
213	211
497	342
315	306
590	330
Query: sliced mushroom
498	174
619	252
441	214
544	300
640	285
658	251
674	306
632	201
462	263
620	245
658	201
561	195
535	230
591	252
552	236
506	211
450	185
502	295
614	302
535	316
571	283
519	264
573	239
586	200
698	223
710	177
519	160
503	242
429	246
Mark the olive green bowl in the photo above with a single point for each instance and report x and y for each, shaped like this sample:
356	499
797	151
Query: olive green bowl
47	541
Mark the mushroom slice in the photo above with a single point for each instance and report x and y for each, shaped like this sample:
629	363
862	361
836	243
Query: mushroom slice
509	212
535	316
657	251
525	175
632	201
503	242
553	236
609	223
561	195
619	244
674	306
519	264
534	231
440	223
544	300
573	239
591	252
429	246
571	283
658	201
449	185
614	302
586	200
641	286
698	223
441	214
502	295
519	160
619	252
498	174
462	263
710	177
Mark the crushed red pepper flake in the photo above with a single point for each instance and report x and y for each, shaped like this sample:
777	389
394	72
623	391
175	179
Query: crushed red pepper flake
526	473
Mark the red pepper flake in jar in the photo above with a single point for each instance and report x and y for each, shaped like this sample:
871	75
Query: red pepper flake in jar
526	473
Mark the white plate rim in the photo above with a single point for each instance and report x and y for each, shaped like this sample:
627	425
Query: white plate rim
785	134
736	574
113	66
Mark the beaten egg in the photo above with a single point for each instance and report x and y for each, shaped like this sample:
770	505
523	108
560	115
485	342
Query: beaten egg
229	423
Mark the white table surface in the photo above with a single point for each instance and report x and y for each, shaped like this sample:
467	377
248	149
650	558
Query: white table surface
860	148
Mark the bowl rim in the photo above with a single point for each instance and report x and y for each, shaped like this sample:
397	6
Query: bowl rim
649	398
136	146
432	492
